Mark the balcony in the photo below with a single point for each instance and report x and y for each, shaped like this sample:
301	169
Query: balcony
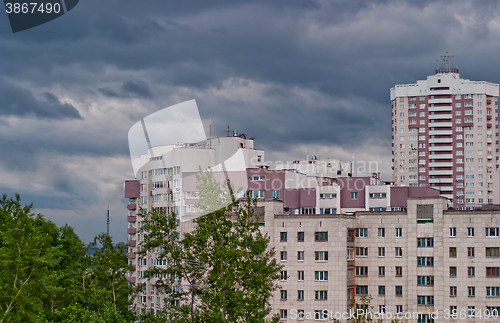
131	279
445	164
440	132
441	180
131	218
131	243
440	108
442	100
441	172
440	116
131	255
131	230
439	124
440	156
440	140
441	148
131	206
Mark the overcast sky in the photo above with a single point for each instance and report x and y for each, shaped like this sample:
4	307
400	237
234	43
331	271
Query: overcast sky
302	77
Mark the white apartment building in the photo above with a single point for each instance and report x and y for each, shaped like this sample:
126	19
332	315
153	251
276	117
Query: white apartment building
445	136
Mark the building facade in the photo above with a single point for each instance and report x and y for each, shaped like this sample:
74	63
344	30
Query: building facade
445	136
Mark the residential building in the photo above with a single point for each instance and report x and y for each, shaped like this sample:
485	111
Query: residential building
445	136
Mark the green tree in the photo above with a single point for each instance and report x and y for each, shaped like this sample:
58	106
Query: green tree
225	265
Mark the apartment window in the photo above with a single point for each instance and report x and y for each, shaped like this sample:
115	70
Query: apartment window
381	309
425	242
321	275
283	314
378	195
321	255
321	315
492	271
471	291
425	300
321	236
399	232
425	261
361	251
453	291
493	311
283	255
381	291
321	295
399	271
398	251
361	290
361	271
381	252
381	232
471	272
471	311
381	271
453	252
453	232
470	252
453	271
300	295
361	232
492	252
425	280
470	232
399	308
492	232
300	255
354	195
283	275
493	291
300	236
257	194
283	236
300	275
399	291
283	294
276	194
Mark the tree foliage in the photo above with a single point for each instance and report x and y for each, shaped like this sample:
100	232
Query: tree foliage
224	265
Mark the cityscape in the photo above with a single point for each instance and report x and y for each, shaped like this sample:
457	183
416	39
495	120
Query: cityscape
307	161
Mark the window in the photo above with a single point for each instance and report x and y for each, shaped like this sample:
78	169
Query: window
492	271
276	194
321	275
425	242
354	195
425	261
283	294
471	311
425	300
283	236
321	295
381	309
381	232
321	314
378	195
381	252
257	194
399	290
493	291
398	251
300	275
257	178
453	252
471	272
284	275
283	314
453	232
425	280
361	232
471	291
453	291
328	195
399	271
321	236
321	255
283	255
470	252
492	252
470	232
399	232
453	271
300	236
492	232
493	311
399	308
361	271
300	255
381	271
361	251
300	295
361	290
381	291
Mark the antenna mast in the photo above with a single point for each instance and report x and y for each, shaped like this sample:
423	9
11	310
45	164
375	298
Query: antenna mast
107	221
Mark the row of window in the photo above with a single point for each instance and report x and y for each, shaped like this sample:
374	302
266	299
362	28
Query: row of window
318	275
319	295
318	255
319	236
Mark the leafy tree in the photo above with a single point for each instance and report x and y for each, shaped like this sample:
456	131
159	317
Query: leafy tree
225	265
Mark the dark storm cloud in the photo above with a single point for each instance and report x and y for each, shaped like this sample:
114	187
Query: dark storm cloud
129	89
18	101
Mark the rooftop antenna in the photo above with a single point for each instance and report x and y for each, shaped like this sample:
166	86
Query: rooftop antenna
228	131
107	221
446	62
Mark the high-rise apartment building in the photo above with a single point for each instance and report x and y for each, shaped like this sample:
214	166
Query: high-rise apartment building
445	136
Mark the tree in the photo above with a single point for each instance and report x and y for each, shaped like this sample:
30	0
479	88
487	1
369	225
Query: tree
224	265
